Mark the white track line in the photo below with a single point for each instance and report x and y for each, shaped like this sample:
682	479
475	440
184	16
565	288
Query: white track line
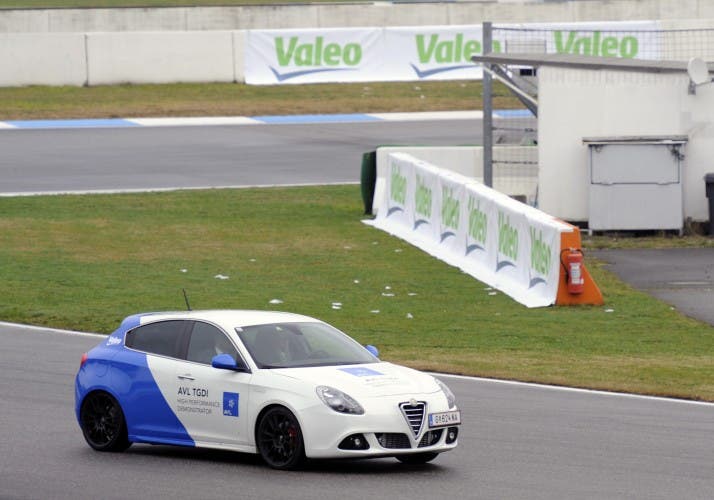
194	121
170	189
429	115
42	329
45	329
575	389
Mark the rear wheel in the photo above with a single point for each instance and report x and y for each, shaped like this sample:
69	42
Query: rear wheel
279	439
417	458
102	422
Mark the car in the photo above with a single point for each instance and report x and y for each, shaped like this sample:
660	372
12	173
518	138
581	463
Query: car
286	386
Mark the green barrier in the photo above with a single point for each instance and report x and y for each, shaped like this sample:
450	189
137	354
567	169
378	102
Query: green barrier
368	179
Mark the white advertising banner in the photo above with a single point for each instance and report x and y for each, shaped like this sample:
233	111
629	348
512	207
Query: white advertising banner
428	52
313	56
432	53
508	245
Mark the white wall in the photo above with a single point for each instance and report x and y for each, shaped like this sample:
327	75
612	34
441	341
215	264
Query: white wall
53	59
377	14
161	57
574	104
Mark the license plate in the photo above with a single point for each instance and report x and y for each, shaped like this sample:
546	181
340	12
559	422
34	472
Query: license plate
444	418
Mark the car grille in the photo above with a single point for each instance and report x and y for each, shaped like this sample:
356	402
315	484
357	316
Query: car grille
393	440
430	438
414	413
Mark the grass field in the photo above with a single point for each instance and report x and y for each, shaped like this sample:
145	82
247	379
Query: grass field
226	99
83	262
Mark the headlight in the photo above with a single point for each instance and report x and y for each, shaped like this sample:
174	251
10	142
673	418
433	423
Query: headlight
338	400
447	392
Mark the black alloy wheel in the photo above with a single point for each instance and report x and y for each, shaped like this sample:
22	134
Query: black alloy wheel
279	439
417	458
102	422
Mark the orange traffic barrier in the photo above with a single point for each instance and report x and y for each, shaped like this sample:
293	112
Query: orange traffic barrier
590	293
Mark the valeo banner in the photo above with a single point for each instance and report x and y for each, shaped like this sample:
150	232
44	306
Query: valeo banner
427	52
313	56
509	245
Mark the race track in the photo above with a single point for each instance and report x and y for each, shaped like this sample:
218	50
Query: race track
168	157
517	442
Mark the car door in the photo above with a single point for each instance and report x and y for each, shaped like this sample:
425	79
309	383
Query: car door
144	377
212	403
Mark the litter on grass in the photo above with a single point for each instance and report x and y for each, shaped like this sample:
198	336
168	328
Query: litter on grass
276	301
221	277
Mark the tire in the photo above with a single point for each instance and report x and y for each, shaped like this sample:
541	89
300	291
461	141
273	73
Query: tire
279	439
102	422
417	458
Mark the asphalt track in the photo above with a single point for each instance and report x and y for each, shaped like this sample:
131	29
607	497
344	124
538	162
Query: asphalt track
517	442
168	157
683	277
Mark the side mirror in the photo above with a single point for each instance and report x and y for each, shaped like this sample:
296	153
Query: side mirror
224	362
373	350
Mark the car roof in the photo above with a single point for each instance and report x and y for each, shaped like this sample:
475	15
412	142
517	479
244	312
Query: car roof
228	319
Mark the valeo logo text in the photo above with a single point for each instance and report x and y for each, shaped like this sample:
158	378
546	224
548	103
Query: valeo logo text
422	198
450	212
397	186
478	226
450	52
317	54
540	256
507	242
595	44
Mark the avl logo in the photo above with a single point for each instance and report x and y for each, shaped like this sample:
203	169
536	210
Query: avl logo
316	55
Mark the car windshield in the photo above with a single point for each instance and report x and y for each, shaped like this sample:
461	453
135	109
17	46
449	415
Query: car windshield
292	345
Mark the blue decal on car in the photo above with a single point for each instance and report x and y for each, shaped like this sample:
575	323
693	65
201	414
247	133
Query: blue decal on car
361	372
149	417
230	404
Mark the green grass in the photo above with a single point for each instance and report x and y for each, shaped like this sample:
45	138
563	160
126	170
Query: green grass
84	262
227	99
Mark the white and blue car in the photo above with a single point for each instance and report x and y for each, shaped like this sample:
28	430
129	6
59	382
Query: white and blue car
286	386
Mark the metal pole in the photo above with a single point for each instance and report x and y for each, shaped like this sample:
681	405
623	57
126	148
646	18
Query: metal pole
487	109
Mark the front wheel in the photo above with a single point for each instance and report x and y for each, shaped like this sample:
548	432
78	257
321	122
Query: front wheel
102	422
279	439
417	458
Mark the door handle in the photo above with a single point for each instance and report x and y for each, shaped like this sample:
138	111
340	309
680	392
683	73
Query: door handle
186	377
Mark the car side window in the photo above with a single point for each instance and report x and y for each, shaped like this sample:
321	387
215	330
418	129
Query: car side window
163	338
208	341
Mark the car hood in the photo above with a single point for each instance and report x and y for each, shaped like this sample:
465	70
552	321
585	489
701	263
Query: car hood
367	380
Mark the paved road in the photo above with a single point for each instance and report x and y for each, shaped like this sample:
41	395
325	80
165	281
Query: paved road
682	277
518	442
139	158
